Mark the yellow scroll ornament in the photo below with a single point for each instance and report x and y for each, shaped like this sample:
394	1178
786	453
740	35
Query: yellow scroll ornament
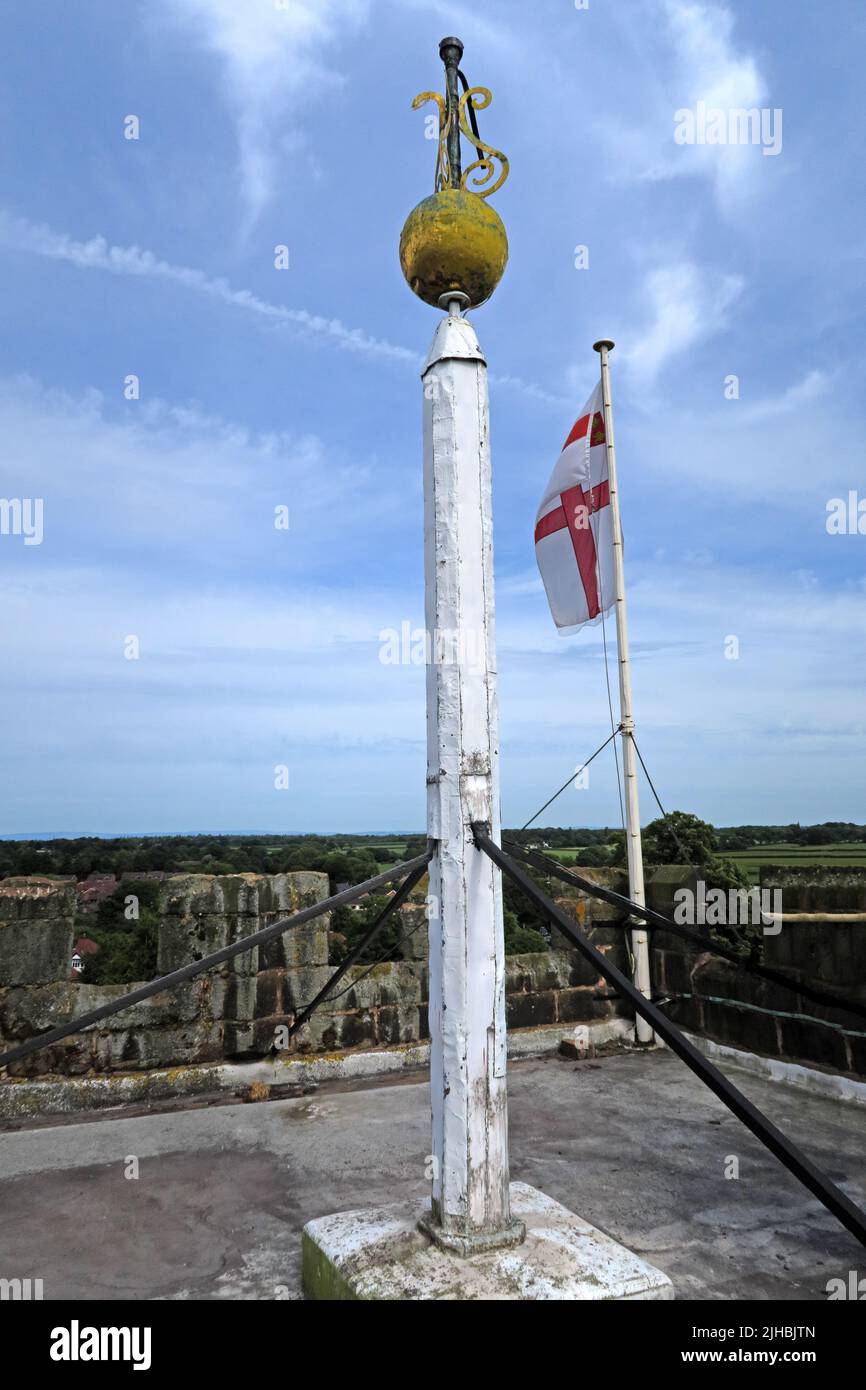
479	98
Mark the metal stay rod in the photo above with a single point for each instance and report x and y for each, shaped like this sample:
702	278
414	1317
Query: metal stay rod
657	922
392	906
831	1196
198	967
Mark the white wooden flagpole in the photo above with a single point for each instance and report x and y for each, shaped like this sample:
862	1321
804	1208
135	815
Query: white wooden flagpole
639	938
471	1203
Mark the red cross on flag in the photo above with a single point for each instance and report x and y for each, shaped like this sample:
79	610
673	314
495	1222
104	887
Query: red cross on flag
573	539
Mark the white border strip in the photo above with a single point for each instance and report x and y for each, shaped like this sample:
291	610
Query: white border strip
817	1083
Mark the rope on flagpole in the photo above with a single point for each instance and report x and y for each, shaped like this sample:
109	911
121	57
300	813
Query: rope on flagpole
610	707
602	606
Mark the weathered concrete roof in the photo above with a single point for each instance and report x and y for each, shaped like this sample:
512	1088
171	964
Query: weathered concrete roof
633	1143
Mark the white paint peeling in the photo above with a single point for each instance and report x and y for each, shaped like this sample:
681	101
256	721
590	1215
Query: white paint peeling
467	997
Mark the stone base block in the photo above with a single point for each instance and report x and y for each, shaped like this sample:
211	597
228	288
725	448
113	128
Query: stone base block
382	1254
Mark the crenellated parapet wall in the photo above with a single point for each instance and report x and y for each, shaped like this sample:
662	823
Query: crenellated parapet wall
819	939
206	1019
241	1009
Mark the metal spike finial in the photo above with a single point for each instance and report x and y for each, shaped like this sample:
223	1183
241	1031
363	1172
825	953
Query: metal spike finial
457	117
451	51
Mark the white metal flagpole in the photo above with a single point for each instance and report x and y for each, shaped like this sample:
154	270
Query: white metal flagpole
639	937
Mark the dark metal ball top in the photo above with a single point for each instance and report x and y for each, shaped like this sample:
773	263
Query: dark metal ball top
453	44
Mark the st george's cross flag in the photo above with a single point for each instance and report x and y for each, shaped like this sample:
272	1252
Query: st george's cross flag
573	536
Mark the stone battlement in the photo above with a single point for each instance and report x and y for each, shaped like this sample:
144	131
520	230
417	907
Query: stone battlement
238	1010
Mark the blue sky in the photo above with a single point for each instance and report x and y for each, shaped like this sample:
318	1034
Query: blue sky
265	124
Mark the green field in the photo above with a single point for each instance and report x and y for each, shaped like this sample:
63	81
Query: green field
800	856
785	855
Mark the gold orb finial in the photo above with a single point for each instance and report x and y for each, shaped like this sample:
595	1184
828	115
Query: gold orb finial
454	240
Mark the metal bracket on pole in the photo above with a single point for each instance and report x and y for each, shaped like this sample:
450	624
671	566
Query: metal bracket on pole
455	303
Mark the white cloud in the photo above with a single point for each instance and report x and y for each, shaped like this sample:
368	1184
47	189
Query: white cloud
731	740
812	387
686	305
710	68
695	57
161	489
778	458
705	50
248	660
19	234
273	58
507	383
257	645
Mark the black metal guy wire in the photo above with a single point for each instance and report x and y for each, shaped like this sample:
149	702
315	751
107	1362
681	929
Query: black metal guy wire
831	1196
354	955
657	922
571	778
386	959
188	972
665	815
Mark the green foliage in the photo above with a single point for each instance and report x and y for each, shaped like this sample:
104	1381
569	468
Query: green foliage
681	838
678	838
345	858
415	845
351	926
593	857
558	837
818	835
518	909
113	911
127	945
129	948
520	939
351	858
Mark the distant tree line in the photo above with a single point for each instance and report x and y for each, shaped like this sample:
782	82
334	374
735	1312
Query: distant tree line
346	858
128	942
741	837
352	858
